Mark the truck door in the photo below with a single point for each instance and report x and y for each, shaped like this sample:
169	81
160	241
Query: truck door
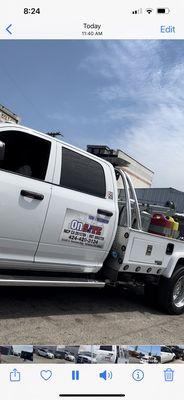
106	354
82	216
24	192
166	354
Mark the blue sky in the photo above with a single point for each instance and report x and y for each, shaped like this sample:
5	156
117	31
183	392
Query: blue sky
125	94
155	350
144	349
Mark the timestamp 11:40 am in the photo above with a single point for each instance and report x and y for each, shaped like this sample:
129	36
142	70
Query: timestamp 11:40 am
92	33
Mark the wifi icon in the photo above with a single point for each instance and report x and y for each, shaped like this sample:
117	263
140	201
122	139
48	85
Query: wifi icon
149	10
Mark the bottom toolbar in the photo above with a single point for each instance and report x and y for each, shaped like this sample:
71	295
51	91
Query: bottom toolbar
51	382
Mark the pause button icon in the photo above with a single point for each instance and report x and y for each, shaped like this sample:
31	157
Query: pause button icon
75	375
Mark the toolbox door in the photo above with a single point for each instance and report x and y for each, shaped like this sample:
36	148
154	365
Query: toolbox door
144	248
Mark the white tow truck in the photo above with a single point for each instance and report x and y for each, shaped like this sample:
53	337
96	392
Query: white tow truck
62	224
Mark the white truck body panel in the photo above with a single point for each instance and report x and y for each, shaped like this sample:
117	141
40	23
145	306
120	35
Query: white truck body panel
21	218
137	253
104	356
166	355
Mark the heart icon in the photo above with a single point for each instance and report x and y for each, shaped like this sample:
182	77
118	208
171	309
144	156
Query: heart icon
46	374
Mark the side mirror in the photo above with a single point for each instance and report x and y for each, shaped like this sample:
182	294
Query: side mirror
2	150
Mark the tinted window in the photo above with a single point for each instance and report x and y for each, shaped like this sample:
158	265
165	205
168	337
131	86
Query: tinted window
82	174
165	349
25	154
107	348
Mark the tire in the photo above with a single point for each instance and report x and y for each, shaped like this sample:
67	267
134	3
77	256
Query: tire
171	292
151	294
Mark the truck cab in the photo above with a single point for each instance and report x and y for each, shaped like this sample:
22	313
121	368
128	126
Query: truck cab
58	206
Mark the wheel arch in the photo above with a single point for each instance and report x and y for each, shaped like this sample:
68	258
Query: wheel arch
175	262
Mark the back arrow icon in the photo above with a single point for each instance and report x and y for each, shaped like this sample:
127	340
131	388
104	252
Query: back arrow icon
7	29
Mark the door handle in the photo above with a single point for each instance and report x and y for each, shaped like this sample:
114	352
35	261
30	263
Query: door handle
105	212
32	195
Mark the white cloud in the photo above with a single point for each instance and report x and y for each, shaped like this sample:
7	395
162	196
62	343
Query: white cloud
158	142
144	94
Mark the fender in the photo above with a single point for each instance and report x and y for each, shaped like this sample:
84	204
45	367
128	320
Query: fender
168	271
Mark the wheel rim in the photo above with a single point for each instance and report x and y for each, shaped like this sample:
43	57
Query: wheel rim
178	293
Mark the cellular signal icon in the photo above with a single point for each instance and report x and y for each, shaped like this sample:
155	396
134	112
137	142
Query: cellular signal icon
139	11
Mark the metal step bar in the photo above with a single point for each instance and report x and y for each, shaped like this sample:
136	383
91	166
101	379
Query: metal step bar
9	280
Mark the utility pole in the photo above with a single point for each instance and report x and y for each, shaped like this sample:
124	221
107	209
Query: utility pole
55	134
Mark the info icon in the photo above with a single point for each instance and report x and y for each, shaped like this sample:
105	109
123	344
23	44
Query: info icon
138	375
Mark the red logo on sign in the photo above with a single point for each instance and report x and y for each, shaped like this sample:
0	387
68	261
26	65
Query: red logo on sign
95	230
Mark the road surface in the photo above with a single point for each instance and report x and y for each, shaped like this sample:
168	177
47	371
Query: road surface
83	316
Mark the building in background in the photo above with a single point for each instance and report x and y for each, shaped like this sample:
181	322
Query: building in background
8	116
161	197
140	175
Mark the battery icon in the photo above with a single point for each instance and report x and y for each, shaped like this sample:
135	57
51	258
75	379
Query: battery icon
163	10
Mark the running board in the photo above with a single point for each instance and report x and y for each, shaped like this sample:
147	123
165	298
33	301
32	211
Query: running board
9	280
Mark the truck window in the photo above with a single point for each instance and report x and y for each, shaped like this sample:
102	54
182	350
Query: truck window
25	154
106	348
82	174
166	349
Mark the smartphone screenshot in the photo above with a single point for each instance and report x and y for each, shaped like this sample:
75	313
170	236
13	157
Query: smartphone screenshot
91	200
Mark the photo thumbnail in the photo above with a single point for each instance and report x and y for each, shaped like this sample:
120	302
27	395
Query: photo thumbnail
16	354
144	354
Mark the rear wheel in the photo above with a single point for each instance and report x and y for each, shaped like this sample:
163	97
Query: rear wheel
171	292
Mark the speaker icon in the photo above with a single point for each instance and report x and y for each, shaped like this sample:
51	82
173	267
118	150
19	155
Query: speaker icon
106	375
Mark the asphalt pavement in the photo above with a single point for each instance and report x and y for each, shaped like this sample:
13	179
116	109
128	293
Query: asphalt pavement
9	359
73	316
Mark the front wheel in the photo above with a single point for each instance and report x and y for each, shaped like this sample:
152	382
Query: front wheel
171	292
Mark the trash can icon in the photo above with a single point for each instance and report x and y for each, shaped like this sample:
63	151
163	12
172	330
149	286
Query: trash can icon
169	375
